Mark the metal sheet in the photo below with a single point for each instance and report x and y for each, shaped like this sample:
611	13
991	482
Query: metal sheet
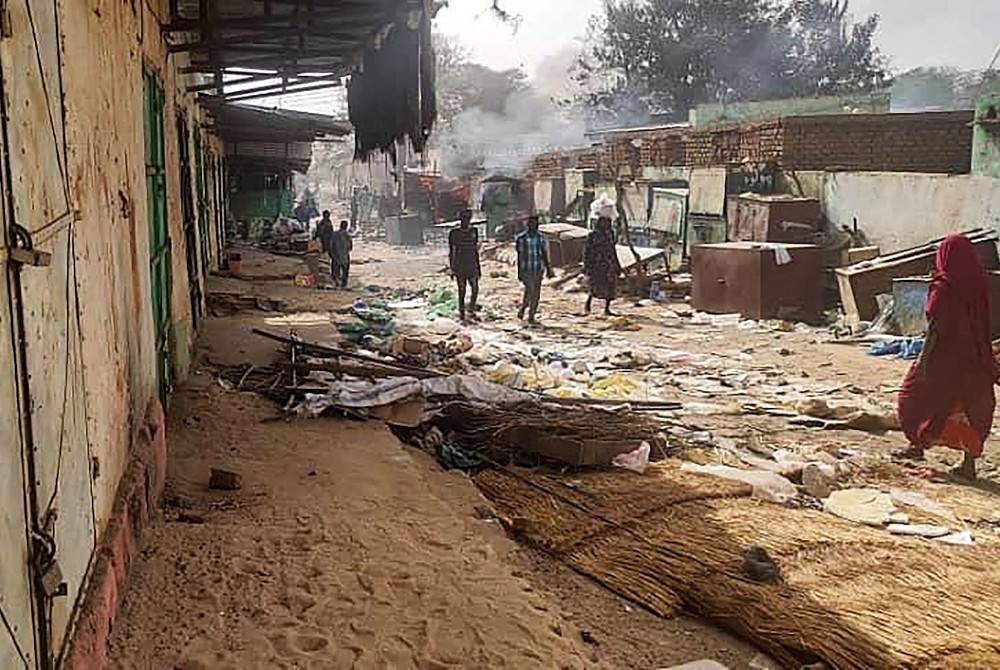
669	211
58	415
543	195
574	184
34	126
17	644
635	199
708	191
30	62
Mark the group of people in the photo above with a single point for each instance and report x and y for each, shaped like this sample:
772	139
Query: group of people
600	264
947	397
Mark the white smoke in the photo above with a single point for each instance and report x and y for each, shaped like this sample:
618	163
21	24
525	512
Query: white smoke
481	141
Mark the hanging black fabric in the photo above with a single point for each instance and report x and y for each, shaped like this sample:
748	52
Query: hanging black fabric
392	96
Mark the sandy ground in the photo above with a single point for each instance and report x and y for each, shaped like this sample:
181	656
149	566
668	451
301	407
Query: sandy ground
346	549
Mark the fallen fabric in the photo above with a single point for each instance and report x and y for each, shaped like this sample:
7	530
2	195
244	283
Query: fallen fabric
907	348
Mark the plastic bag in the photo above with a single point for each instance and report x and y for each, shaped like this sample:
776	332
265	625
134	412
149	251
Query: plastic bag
635	460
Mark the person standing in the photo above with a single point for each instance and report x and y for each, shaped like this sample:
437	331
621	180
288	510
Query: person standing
532	262
600	264
947	397
463	261
340	255
325	233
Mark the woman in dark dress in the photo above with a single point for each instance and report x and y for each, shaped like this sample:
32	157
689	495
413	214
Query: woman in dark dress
600	264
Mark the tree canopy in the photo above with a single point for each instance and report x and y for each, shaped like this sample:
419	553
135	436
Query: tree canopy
666	56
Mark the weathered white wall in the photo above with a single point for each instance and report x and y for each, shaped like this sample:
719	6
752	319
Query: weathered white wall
899	210
88	316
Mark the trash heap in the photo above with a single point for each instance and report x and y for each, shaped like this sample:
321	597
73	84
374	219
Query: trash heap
465	420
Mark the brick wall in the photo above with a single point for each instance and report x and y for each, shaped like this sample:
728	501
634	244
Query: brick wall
927	142
732	145
553	165
936	142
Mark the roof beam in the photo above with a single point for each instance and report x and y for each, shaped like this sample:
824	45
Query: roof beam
263	76
338	17
298	87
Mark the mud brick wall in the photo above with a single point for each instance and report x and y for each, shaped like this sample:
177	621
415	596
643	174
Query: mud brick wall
939	142
757	143
553	165
547	166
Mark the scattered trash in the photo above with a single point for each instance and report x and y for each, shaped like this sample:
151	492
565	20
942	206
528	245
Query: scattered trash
918	530
906	348
636	461
766	485
305	280
865	506
963	538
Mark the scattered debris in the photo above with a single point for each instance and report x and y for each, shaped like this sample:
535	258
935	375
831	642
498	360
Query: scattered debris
866	506
759	566
225	480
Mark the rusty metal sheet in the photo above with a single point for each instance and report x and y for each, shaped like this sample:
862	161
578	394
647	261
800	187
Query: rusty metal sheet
17	645
30	64
58	415
34	127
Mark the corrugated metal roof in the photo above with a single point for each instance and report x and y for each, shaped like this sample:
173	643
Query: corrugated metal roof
309	44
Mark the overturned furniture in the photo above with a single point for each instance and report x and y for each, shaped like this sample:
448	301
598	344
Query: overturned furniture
860	284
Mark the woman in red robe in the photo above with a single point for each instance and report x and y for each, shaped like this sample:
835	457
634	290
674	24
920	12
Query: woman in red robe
947	398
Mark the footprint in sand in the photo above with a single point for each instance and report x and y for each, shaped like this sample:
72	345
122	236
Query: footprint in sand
310	644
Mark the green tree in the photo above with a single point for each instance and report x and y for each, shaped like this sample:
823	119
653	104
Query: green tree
666	56
462	84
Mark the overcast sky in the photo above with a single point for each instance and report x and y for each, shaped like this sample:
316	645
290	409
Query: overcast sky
961	33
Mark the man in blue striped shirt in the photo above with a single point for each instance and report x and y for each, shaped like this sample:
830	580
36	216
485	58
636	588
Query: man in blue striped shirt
532	262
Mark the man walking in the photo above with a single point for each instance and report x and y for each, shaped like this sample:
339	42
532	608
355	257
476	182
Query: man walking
532	261
340	255
463	260
325	233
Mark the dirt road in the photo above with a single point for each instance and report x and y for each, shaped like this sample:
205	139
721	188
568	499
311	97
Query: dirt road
346	549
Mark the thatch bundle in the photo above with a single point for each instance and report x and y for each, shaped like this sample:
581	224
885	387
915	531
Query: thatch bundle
486	422
853	596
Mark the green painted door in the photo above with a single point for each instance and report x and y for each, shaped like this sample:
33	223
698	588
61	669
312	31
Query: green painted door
202	190
159	236
188	218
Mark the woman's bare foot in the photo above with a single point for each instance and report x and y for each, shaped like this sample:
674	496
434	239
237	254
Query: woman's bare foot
967	470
